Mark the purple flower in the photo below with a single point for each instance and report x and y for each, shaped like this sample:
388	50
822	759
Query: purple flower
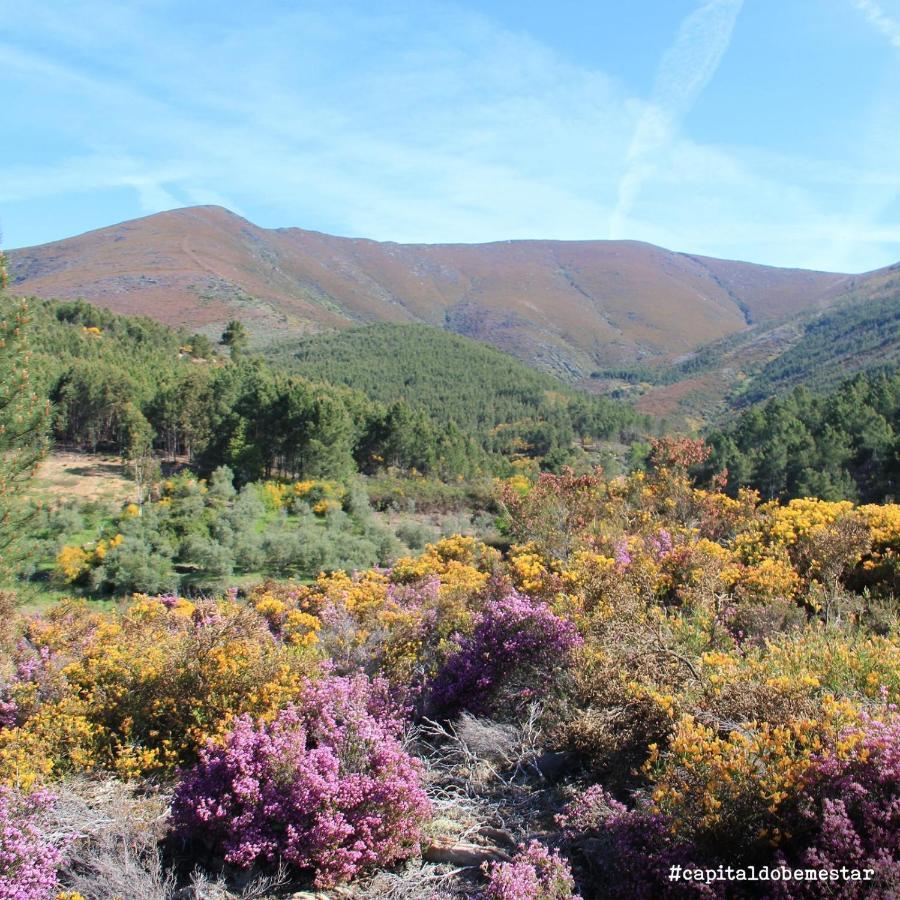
33	667
513	638
661	544
29	859
622	556
326	787
168	600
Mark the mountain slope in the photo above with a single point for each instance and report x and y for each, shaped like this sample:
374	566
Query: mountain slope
451	378
816	350
563	306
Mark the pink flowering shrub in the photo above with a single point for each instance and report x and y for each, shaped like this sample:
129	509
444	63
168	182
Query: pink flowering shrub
846	814
326	787
628	851
516	647
622	556
534	873
849	815
28	858
36	679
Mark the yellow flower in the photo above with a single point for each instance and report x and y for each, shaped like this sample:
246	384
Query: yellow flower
72	562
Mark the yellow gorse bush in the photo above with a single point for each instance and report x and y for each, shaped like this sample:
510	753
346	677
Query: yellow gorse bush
706	774
73	562
142	690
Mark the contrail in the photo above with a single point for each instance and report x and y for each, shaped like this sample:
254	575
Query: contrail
887	25
684	71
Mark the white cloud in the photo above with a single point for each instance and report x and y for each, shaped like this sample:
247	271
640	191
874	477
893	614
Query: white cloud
685	69
886	24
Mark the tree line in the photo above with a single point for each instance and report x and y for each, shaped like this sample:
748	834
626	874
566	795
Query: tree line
844	444
132	386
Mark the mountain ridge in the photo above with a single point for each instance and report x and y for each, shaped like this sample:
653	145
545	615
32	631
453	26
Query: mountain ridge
562	306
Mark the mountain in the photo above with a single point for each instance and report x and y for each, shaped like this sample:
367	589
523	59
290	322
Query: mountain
566	307
813	349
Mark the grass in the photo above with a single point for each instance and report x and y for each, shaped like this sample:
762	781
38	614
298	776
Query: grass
97	478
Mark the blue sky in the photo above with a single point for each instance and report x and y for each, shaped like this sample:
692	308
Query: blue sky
766	130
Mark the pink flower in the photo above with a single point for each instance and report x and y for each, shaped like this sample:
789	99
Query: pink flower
534	873
326	787
29	859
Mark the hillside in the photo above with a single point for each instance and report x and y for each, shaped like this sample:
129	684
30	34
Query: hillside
451	378
815	350
837	445
834	344
564	307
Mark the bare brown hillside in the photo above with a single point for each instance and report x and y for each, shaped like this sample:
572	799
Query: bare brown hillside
565	306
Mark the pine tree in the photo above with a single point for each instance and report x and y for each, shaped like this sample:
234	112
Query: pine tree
24	417
235	337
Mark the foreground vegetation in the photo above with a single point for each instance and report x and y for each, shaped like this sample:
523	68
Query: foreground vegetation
286	690
656	674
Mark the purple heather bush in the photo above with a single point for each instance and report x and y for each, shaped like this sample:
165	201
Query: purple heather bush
326	787
622	555
628	851
29	859
534	873
35	669
660	544
514	638
849	815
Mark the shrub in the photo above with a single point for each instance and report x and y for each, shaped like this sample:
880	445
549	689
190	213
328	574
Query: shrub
835	809
534	873
848	813
281	551
514	640
325	787
136	564
628	851
414	534
141	691
29	858
212	560
731	791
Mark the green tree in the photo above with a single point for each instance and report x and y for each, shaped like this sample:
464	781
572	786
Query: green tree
93	404
842	445
178	411
137	449
235	337
202	347
24	418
